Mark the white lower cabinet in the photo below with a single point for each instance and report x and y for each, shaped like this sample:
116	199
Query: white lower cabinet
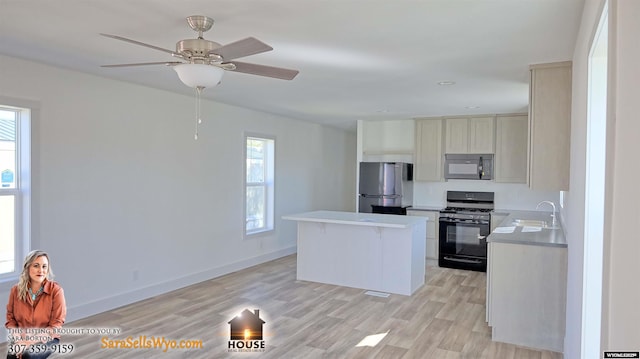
432	234
526	294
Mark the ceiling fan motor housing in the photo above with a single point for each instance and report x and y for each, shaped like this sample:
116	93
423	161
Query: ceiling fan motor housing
198	50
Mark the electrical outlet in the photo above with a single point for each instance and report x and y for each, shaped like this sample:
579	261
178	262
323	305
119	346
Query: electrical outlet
136	274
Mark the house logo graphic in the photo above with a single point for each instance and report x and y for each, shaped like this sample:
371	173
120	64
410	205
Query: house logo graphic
245	332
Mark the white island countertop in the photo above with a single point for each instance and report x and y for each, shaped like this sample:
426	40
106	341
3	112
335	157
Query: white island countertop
360	219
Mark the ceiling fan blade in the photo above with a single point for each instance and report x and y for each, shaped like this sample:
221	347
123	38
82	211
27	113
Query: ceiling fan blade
241	48
173	53
268	71
145	64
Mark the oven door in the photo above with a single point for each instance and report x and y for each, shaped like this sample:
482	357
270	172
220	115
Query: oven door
463	244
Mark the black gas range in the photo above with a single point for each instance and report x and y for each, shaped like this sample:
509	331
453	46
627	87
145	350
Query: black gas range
464	226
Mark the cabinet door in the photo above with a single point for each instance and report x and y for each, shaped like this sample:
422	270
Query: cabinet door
395	136
550	116
428	159
527	294
456	135
481	135
488	302
511	149
432	232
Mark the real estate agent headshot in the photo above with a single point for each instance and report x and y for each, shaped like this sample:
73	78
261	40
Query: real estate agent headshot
35	309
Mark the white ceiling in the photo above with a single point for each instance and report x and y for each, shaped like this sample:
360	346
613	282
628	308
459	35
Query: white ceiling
367	59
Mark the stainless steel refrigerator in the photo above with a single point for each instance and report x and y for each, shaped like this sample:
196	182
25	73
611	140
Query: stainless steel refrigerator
385	186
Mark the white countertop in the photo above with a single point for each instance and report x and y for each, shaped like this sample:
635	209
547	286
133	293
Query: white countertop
359	219
425	208
506	232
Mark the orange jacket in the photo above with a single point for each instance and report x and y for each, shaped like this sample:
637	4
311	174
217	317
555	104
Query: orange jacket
49	311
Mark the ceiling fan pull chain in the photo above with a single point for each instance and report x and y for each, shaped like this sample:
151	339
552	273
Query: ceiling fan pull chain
198	116
202	62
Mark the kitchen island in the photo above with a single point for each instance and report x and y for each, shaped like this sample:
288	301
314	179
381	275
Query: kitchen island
526	281
378	252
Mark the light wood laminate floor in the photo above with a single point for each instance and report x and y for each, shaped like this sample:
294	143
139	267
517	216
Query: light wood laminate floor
444	319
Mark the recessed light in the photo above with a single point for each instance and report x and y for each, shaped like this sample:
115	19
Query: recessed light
446	83
472	107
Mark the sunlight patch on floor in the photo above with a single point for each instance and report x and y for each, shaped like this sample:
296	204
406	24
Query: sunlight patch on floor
372	340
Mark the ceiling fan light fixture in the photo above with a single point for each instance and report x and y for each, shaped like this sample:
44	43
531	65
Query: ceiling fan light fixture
199	75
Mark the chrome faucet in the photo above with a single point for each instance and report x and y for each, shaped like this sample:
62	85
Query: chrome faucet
553	214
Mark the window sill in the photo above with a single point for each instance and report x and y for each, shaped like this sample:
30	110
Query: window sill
256	234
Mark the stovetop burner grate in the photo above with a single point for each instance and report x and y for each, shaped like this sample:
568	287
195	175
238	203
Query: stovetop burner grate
465	209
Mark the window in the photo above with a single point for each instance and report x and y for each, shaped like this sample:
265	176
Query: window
259	184
14	187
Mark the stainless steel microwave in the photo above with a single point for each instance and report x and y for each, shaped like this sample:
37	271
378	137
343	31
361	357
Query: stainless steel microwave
468	166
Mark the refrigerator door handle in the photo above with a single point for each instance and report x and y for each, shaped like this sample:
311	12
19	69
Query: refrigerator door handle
380	195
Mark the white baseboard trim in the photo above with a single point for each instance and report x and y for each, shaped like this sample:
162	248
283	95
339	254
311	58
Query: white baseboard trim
432	262
98	306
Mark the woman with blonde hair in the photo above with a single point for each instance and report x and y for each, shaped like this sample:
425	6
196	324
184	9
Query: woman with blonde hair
35	310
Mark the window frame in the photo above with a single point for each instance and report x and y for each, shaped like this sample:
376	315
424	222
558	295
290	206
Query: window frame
268	184
25	112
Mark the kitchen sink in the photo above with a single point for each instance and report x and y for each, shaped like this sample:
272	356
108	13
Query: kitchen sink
533	223
530	223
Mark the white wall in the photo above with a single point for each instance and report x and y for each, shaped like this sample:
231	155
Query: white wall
120	185
621	294
507	195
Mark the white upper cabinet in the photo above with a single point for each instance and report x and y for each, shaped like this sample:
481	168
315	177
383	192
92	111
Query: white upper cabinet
469	135
428	158
456	135
481	135
550	126
511	149
388	137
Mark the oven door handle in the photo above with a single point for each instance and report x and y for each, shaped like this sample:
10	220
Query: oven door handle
474	223
474	261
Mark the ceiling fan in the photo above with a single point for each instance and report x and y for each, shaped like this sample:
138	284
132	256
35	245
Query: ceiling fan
203	62
205	52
